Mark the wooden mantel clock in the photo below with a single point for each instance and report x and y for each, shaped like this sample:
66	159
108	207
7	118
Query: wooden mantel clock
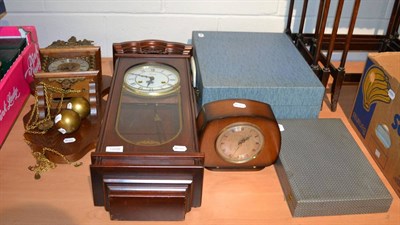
147	164
238	134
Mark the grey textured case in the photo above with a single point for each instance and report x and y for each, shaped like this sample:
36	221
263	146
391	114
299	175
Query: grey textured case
323	171
260	66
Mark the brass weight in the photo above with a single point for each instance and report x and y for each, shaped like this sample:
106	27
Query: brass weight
80	105
67	121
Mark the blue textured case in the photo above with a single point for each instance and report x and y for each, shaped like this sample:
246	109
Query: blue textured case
259	66
323	171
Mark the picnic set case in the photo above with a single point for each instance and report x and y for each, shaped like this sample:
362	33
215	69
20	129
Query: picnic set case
264	67
323	171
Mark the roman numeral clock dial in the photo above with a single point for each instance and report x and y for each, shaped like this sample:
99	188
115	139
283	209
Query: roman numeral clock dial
152	79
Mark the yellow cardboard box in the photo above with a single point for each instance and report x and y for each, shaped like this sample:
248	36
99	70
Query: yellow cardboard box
376	113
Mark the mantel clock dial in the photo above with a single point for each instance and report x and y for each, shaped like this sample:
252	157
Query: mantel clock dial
240	142
238	134
148	141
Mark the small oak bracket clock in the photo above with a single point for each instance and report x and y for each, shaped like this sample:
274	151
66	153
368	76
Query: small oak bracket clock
73	66
147	164
238	134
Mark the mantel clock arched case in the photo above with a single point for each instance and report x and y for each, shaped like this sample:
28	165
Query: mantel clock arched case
147	164
238	134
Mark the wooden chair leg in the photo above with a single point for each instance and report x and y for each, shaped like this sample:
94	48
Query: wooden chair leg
336	88
339	80
299	37
393	27
288	29
324	8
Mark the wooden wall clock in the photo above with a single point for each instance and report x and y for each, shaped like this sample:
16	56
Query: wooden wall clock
73	66
238	134
70	69
147	164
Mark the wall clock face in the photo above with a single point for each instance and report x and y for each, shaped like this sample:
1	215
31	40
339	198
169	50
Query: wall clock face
238	134
239	142
152	79
68	65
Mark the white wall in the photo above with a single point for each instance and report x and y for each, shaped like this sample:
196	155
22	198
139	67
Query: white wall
109	21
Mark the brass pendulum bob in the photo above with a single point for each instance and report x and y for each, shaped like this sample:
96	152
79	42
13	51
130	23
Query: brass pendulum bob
67	121
79	105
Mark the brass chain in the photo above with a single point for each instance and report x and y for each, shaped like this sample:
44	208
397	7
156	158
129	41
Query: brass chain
43	164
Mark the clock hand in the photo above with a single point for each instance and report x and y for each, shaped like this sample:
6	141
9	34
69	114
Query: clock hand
141	75
243	140
150	81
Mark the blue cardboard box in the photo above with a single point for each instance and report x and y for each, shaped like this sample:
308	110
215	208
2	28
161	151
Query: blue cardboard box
260	66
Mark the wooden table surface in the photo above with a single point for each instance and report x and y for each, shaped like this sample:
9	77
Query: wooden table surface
63	195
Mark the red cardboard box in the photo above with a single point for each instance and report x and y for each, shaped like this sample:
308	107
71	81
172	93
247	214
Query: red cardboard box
14	86
376	113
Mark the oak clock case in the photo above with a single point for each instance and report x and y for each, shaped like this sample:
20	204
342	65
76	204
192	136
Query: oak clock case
147	164
238	134
72	65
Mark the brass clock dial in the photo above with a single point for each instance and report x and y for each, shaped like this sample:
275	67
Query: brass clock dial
239	142
238	134
152	79
68	65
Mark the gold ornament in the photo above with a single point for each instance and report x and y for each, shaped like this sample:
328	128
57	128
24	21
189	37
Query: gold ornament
67	121
79	105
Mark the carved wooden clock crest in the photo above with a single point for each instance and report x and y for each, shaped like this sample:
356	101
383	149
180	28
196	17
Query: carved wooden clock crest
147	164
